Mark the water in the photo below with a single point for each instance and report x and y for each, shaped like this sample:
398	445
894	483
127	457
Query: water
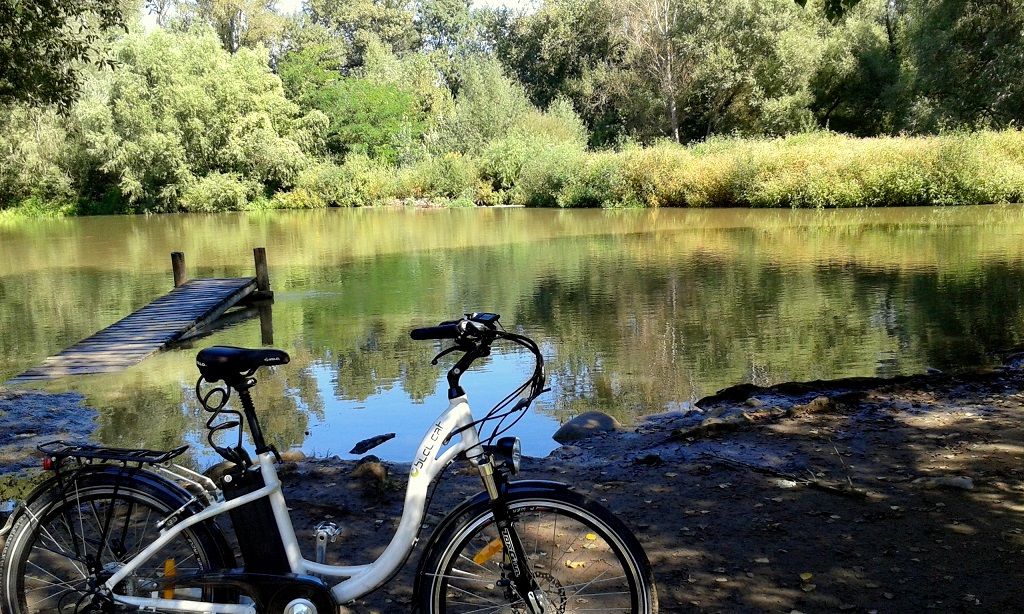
638	312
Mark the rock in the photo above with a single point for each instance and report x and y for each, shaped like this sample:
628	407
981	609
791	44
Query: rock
293	456
650	460
373	472
586	425
819	405
753	402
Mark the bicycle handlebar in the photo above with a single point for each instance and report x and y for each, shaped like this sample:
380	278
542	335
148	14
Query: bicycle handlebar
473	325
442	331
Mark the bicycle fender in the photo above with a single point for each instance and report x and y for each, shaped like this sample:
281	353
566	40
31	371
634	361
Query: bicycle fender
480	500
50	484
108	474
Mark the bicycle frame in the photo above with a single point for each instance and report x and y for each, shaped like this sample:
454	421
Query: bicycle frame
431	458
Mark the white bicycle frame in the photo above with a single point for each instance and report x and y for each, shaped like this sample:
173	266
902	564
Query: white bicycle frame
431	458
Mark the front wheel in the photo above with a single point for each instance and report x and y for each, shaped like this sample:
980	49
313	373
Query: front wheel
582	557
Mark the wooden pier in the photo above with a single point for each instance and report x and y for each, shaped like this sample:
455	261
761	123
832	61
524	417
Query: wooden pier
184	311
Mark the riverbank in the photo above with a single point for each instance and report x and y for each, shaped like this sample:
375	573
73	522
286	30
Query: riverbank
888	497
852	496
818	169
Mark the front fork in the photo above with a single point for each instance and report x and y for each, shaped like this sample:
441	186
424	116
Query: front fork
515	561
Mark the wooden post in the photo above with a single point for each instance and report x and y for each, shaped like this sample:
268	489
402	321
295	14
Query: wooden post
178	266
266	312
262	274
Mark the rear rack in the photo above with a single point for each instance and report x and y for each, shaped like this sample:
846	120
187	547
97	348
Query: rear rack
59	450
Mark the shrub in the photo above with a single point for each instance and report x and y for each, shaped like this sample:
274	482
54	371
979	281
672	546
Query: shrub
218	192
546	173
298	198
451	175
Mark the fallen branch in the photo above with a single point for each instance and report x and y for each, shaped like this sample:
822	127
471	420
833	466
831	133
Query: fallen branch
846	491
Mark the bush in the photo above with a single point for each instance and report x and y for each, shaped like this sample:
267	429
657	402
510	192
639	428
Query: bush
546	173
218	192
451	175
177	107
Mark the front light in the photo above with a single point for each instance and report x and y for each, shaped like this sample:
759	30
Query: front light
511	451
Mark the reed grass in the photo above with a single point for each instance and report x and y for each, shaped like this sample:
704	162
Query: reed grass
812	170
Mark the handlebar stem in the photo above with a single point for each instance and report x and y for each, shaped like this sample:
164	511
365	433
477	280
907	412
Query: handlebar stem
478	349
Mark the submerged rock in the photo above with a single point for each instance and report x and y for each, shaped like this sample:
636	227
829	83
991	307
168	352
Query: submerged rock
586	425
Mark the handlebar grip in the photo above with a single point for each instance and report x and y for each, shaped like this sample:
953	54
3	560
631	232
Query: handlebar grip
444	331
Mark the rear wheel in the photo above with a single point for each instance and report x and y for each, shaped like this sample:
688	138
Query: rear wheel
60	552
582	557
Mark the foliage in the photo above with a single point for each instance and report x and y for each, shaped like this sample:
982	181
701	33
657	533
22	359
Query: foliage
489	106
238	23
369	118
218	192
42	47
358	22
182	108
967	56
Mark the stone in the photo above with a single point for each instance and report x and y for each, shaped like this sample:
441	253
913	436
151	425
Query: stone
818	405
293	456
373	472
586	425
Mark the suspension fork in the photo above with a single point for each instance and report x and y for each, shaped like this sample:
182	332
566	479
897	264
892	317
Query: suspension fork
515	560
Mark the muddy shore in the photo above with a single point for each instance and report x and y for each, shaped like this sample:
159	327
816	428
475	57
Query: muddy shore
848	496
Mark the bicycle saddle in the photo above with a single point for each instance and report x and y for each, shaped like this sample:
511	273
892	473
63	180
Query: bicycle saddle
220	362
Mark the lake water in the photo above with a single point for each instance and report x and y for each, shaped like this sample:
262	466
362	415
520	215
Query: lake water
638	312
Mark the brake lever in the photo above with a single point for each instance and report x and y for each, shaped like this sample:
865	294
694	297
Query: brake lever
444	353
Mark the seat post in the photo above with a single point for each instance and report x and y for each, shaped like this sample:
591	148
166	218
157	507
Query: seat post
254	425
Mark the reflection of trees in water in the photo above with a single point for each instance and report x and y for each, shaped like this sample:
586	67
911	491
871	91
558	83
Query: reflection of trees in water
638	313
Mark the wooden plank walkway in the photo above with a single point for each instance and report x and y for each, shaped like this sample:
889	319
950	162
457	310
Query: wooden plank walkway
181	311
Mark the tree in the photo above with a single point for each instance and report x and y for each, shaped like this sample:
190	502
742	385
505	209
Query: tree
355	21
653	29
967	58
44	44
238	23
489	105
569	49
184	123
445	24
860	86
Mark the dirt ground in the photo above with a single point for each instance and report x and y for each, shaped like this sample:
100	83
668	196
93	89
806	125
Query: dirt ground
845	496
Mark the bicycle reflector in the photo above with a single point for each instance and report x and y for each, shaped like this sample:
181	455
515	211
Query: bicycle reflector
170	571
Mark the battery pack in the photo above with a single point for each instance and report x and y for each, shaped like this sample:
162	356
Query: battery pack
259	539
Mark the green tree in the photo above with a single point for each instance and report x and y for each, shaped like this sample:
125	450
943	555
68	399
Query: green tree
967	58
860	86
445	24
238	23
355	22
569	49
369	117
181	109
44	44
488	107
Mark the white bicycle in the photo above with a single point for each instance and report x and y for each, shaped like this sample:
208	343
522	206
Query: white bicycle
119	530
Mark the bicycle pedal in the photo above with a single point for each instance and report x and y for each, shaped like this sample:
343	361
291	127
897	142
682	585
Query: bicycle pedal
325	532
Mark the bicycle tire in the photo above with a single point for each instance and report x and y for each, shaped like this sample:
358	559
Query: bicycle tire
57	548
582	555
